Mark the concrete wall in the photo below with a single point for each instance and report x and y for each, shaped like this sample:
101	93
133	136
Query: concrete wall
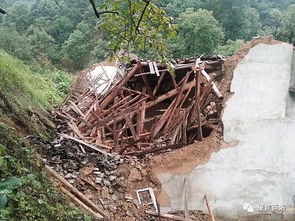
260	118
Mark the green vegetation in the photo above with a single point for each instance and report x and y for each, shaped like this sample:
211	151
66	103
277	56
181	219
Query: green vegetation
25	97
25	191
68	35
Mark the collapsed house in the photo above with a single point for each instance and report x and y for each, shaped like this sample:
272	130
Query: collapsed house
144	108
216	135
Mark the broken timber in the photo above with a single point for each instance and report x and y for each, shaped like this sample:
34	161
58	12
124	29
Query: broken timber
147	110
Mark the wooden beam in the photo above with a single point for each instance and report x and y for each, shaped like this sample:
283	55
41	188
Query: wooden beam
209	208
216	90
76	192
89	145
158	83
113	93
197	102
79	203
168	216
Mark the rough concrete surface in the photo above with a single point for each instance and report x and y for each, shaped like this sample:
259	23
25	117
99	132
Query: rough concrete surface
260	169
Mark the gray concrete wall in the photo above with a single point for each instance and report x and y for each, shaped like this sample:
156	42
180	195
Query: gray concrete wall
260	118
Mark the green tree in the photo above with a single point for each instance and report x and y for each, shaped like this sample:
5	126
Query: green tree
288	24
78	46
136	26
15	43
237	18
230	48
199	32
43	44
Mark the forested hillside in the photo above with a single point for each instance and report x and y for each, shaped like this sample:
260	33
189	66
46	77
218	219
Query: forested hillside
69	35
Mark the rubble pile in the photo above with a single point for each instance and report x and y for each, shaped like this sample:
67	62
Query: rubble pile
143	108
103	178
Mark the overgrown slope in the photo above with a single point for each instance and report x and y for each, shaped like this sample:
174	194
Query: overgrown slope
25	96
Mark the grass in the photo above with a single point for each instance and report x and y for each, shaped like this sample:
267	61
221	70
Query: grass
26	95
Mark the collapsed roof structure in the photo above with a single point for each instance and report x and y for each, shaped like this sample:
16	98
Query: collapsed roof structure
144	108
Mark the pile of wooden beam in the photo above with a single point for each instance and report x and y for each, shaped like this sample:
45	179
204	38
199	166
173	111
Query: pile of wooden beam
145	108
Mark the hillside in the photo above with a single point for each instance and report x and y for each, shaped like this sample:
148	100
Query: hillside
25	98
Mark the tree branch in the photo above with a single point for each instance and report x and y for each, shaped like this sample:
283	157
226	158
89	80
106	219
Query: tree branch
2	11
98	14
142	14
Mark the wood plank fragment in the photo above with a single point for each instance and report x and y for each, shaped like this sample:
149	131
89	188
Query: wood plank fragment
209	208
89	145
76	192
168	216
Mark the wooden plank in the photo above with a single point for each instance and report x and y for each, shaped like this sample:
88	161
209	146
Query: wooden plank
158	83
209	208
79	203
100	120
148	87
173	80
89	145
178	99
197	97
131	127
76	109
168	216
216	90
163	119
76	192
113	93
185	187
140	119
207	90
75	129
154	150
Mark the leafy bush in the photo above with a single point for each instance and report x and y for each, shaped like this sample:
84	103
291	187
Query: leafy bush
230	48
31	196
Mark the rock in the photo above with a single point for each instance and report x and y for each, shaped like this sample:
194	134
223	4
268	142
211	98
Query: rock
129	213
127	218
74	176
108	172
128	198
112	178
96	172
105	193
107	183
98	180
114	197
134	175
144	172
69	176
85	171
117	157
71	181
